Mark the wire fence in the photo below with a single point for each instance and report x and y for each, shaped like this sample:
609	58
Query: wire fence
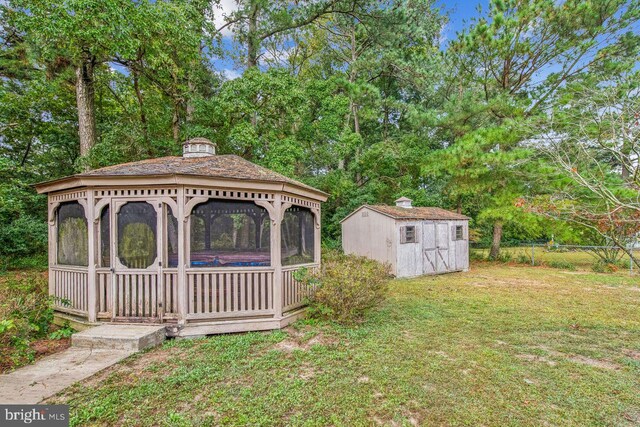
571	257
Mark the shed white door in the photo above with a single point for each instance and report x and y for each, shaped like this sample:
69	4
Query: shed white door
429	248
442	247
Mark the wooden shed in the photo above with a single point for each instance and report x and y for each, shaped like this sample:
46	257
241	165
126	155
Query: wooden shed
413	240
204	243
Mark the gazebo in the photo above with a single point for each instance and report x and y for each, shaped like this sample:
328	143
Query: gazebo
204	243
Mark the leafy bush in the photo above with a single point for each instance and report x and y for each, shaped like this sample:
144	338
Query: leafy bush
64	332
23	214
476	255
564	265
503	257
26	314
601	266
33	262
346	287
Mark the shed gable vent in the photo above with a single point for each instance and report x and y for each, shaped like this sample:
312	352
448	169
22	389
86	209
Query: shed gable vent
198	147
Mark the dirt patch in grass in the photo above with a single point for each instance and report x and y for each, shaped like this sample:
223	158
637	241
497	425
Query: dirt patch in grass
138	367
45	347
621	288
303	339
596	363
41	348
307	372
584	360
535	358
632	417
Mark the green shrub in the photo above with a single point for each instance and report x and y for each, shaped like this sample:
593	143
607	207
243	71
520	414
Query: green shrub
503	257
564	265
63	332
601	266
476	255
346	287
33	262
26	314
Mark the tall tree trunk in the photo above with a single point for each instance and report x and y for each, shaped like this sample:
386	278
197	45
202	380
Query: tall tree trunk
253	48
85	101
176	98
175	123
353	106
190	107
143	115
352	78
626	159
252	37
497	238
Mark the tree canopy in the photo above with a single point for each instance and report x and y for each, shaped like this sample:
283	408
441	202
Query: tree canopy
363	99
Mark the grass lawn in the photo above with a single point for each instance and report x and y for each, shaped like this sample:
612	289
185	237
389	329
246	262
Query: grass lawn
499	345
580	259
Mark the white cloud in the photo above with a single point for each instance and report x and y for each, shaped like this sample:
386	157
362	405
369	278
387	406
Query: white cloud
231	74
220	14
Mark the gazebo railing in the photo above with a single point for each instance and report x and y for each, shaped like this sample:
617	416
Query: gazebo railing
294	293
170	295
137	295
229	292
103	281
70	287
132	289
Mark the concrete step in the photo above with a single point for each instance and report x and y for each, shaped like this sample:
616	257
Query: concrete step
120	337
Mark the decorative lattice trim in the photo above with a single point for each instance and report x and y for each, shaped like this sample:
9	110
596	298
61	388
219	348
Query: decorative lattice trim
227	194
63	197
128	192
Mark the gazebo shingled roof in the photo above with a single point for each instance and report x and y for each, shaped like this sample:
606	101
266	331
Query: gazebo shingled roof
219	166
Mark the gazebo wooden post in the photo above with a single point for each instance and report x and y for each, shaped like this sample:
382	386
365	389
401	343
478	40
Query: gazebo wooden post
317	236
53	243
92	229
182	261
276	255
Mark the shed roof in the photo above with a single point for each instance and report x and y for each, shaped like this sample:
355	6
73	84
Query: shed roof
414	213
217	166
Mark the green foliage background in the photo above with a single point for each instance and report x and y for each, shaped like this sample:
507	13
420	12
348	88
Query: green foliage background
359	98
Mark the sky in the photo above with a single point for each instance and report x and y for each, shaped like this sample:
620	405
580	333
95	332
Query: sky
459	11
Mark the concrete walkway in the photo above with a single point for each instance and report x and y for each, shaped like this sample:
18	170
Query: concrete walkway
34	383
91	351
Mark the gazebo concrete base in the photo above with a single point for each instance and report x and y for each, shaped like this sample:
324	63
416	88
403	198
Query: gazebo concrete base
77	323
194	329
201	329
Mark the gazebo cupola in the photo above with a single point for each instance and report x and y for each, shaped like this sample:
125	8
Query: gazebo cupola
204	243
198	147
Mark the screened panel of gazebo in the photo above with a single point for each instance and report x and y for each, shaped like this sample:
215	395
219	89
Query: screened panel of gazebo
137	247
298	244
72	245
229	234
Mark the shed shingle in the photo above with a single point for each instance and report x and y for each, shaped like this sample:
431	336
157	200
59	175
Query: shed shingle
416	213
